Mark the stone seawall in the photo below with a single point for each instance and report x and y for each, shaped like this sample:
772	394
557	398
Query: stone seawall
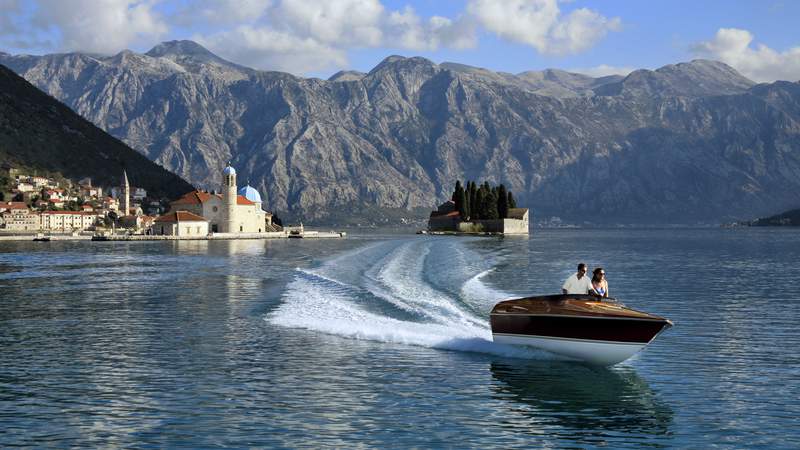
499	226
211	237
224	236
30	237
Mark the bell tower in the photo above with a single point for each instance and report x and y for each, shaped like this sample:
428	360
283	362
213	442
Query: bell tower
126	194
229	199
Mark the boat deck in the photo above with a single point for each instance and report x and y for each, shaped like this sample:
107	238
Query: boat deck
569	305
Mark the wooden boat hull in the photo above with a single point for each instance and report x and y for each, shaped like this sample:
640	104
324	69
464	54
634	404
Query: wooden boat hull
576	326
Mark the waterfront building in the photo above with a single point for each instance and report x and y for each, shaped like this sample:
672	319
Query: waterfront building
17	217
232	211
67	220
12	206
180	223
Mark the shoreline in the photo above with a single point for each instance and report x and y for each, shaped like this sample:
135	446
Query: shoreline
211	237
470	233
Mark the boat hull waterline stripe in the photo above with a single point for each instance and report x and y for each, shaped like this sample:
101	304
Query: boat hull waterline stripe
593	352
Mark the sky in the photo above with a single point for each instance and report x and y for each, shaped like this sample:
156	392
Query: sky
761	39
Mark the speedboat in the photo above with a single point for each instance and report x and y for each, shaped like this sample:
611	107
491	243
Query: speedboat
579	327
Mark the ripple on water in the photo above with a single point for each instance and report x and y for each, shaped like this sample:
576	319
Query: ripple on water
384	341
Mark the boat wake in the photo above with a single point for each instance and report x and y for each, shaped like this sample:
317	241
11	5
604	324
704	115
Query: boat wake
422	292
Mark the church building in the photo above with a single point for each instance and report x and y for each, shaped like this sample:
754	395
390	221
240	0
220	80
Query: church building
233	211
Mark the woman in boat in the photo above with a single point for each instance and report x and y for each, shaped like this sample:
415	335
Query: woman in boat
599	283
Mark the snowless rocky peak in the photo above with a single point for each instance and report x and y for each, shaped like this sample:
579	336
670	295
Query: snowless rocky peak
191	55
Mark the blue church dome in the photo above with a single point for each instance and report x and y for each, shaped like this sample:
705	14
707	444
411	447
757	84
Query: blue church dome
229	171
250	193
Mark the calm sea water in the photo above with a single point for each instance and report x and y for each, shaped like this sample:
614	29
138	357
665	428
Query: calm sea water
383	341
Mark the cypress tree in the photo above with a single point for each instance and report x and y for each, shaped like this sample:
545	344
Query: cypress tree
511	202
455	198
461	203
491	205
455	191
474	206
502	202
480	200
467	205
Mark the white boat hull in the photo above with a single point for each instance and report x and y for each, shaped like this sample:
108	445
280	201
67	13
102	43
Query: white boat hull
605	353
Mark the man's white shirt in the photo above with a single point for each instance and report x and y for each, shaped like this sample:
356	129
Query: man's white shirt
575	286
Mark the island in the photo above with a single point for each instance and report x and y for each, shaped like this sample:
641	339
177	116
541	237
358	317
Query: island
479	209
785	219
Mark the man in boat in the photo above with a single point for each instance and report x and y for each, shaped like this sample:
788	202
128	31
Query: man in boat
577	283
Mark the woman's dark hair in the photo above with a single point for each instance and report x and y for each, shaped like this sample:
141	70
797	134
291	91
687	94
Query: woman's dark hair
596	273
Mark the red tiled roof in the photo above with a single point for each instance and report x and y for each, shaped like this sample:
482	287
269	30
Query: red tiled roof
80	213
13	205
242	200
193	198
200	197
180	216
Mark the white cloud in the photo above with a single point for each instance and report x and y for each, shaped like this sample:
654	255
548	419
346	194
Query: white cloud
265	48
298	36
323	31
604	70
407	30
224	11
539	23
733	47
343	22
103	27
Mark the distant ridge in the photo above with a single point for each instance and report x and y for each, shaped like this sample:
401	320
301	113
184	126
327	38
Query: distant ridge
40	133
691	142
696	78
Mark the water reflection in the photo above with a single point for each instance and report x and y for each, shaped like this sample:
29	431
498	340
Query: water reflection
583	403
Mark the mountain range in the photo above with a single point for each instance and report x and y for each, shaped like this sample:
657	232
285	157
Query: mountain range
686	143
38	132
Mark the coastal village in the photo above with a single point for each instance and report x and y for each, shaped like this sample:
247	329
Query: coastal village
52	205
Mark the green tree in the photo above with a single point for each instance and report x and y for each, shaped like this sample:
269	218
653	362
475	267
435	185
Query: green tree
502	202
480	202
455	191
511	202
455	197
472	200
461	203
491	205
467	205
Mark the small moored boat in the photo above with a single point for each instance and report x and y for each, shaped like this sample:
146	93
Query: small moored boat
577	326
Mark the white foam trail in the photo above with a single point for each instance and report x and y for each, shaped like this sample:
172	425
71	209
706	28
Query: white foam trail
339	298
315	303
399	279
478	293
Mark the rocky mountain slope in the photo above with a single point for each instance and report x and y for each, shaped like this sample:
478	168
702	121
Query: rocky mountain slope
685	143
38	132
